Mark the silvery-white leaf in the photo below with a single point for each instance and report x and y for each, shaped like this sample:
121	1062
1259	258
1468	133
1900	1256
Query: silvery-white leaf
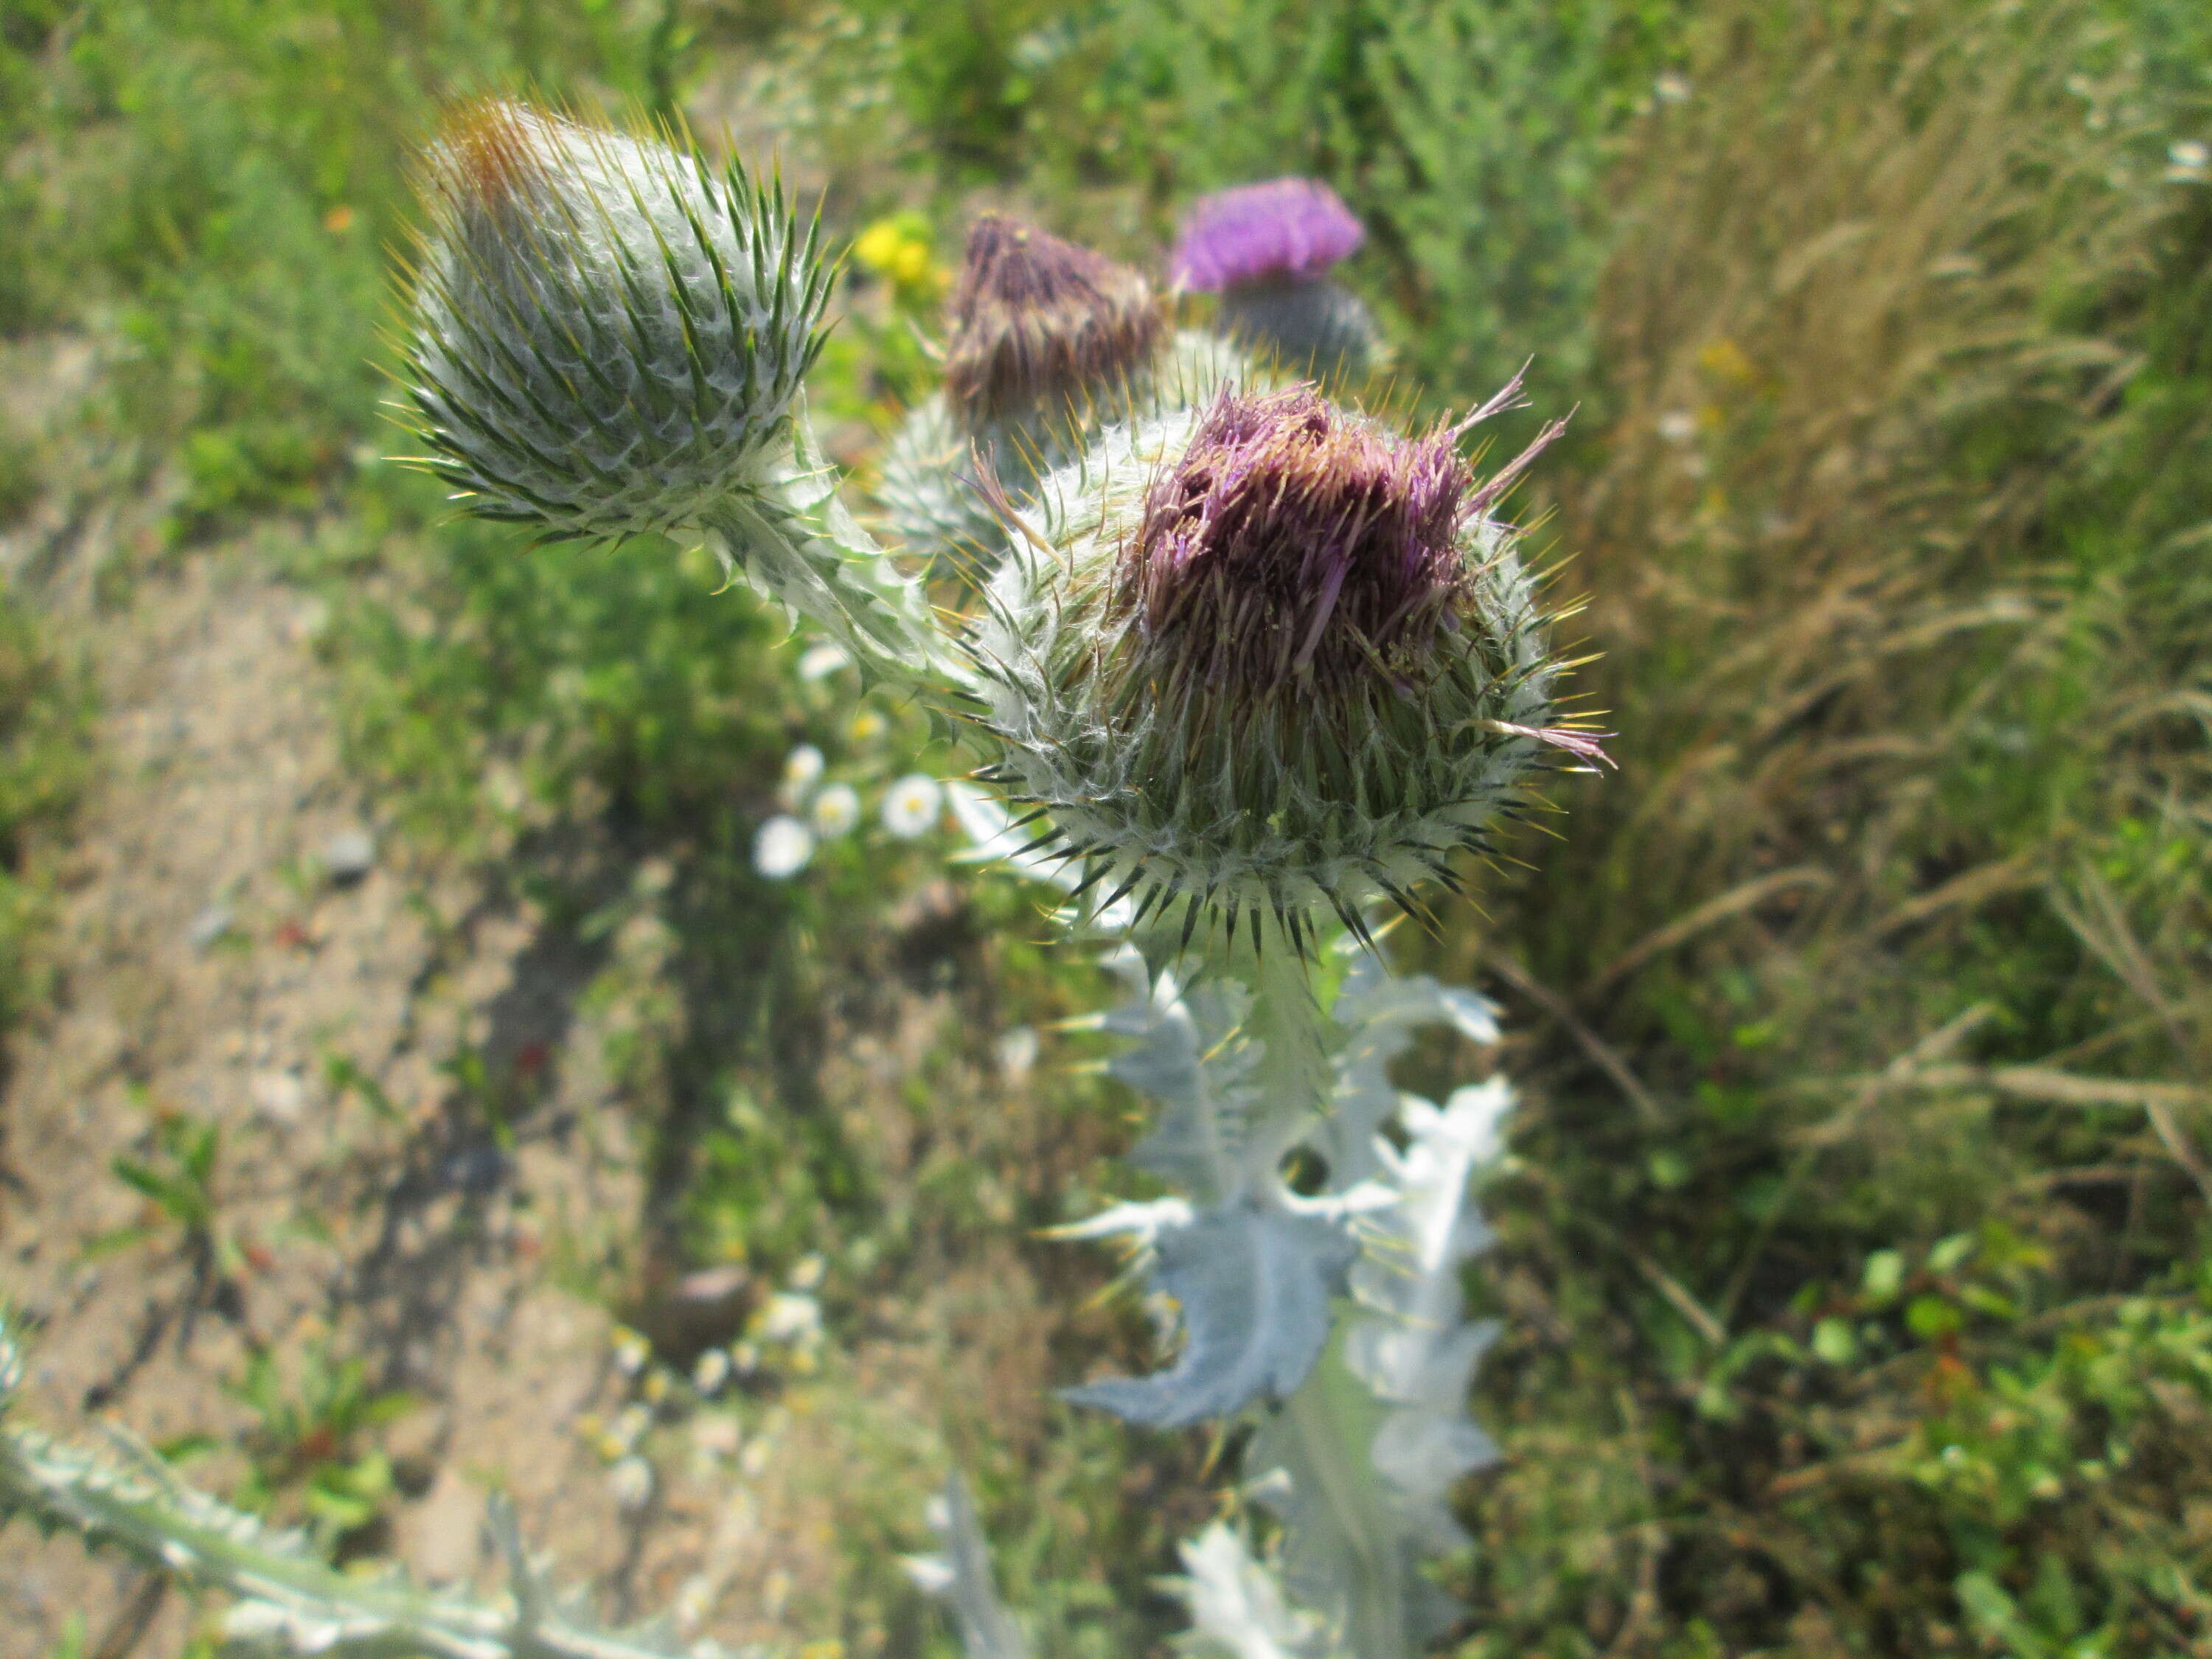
1238	1610
1348	1552
1254	1285
1434	1226
1188	1055
1142	1222
1379	1013
962	1578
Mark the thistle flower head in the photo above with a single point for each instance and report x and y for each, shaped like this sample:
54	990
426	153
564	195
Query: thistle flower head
1038	320
1291	539
1286	228
1266	654
609	335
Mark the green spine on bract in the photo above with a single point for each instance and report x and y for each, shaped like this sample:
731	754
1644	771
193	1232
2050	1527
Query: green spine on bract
1264	656
609	335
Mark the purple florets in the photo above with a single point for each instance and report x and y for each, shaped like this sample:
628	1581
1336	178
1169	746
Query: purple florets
1288	227
1292	537
1034	317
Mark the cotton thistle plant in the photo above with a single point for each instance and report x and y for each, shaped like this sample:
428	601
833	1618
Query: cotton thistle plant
1253	669
1267	249
1049	342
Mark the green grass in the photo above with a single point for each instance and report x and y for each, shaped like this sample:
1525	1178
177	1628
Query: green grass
1841	1328
44	725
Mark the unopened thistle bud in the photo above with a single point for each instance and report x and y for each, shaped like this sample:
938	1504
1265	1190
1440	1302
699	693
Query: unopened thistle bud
609	336
1266	655
1267	249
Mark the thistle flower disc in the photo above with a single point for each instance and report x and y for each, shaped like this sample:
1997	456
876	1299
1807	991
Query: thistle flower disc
609	336
1268	655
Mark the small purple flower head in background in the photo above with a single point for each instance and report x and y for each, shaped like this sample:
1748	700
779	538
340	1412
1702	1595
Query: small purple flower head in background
1284	228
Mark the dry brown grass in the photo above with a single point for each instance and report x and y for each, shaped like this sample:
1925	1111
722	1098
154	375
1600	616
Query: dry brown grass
1813	537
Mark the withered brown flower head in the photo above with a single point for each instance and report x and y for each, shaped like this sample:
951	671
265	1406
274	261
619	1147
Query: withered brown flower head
1293	538
1035	318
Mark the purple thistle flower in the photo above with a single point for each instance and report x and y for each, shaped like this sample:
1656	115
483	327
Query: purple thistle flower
1292	538
1287	228
1034	317
1267	653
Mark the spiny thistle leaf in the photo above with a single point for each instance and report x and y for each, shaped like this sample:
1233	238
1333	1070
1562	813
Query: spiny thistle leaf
961	1576
1254	1283
1237	1608
286	1602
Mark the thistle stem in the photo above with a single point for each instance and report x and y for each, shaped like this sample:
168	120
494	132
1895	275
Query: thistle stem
286	1600
1330	1417
804	547
1296	1074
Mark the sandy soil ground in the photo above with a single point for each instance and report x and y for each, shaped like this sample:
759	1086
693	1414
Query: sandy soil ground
215	968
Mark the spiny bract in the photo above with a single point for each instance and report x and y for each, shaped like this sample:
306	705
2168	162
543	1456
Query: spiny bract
1267	655
609	335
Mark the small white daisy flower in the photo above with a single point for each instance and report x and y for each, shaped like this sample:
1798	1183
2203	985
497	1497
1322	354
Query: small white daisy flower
821	661
631	1483
802	770
835	811
911	805
711	1372
782	847
2189	160
1018	1053
1671	87
1678	426
790	1318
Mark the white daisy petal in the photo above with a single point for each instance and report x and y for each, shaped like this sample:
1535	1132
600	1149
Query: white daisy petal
835	811
782	847
911	805
821	661
802	770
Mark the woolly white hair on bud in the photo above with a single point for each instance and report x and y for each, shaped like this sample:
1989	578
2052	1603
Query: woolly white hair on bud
1264	656
609	335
